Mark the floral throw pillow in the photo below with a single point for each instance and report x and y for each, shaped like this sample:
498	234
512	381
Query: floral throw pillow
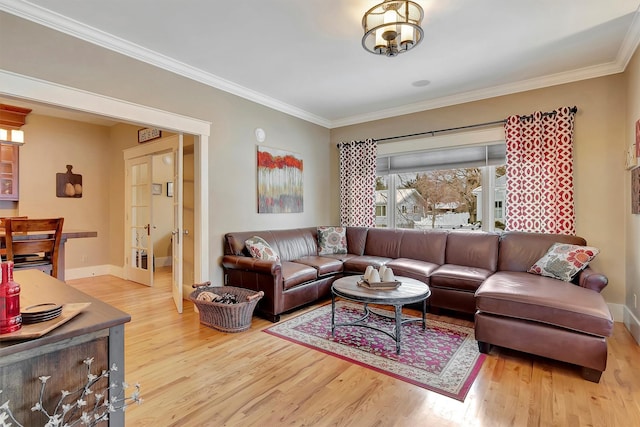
563	261
260	249
332	240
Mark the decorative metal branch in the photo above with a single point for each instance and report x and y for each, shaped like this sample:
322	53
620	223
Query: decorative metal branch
73	408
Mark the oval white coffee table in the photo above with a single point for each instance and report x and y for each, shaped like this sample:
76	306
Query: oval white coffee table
410	291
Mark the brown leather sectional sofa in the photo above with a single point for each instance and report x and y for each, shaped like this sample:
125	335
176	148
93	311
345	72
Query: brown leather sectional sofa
470	272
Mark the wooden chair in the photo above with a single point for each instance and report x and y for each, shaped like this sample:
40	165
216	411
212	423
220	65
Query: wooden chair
34	243
3	248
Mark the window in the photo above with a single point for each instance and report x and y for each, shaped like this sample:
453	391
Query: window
443	189
381	210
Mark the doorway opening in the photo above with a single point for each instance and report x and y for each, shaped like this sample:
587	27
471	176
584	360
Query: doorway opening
35	90
160	188
162	206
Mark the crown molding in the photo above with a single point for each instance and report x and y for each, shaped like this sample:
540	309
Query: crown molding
92	35
33	89
95	36
480	94
630	42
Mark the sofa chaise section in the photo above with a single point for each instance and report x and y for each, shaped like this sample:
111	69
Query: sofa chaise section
541	315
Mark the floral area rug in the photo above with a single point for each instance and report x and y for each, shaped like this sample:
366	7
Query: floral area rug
443	358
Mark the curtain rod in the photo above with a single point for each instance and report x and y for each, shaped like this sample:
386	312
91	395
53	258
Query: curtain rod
573	109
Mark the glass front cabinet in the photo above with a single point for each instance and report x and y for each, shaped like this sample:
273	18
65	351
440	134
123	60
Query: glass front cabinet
8	172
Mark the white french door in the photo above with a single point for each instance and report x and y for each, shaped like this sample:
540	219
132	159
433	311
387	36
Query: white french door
178	231
139	255
139	219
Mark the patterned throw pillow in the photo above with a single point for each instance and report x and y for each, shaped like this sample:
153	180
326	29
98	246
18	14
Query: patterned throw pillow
332	240
259	248
563	261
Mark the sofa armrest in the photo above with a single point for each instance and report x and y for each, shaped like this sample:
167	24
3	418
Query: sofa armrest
238	262
590	279
257	275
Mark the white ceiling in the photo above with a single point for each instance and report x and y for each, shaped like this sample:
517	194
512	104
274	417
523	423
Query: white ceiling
305	57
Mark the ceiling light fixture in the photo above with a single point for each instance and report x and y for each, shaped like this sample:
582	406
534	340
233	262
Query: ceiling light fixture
11	119
392	27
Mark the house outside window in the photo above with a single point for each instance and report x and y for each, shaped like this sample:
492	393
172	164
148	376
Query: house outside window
498	191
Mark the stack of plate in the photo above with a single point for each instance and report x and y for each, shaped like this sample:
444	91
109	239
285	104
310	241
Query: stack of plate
40	313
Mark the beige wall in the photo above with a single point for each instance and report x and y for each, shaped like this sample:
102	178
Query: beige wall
95	152
51	144
632	222
599	170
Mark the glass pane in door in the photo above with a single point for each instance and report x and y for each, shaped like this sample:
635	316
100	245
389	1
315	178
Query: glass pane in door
140	216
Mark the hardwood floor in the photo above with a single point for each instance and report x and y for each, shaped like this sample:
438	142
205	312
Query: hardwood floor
192	375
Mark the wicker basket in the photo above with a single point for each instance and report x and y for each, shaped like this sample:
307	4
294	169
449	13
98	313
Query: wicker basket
226	317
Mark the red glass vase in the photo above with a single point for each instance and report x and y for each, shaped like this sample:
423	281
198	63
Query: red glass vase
10	317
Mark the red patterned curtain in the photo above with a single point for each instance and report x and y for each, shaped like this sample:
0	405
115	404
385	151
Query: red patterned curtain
358	183
540	172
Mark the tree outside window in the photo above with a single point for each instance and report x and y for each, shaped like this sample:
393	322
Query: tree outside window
448	199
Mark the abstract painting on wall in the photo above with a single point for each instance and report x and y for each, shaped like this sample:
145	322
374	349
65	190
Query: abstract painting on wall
280	185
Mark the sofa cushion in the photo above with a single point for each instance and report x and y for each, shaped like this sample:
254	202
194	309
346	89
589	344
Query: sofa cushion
473	249
542	299
323	265
294	274
289	244
295	243
260	249
563	261
383	242
419	270
460	277
332	240
519	250
358	264
357	239
424	245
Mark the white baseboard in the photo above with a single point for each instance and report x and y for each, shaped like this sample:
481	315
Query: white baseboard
117	271
100	270
95	270
82	272
617	311
632	324
163	261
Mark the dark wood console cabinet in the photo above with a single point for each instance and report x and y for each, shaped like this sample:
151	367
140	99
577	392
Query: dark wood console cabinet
98	332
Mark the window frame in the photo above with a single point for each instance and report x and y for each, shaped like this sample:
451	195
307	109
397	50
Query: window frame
483	137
